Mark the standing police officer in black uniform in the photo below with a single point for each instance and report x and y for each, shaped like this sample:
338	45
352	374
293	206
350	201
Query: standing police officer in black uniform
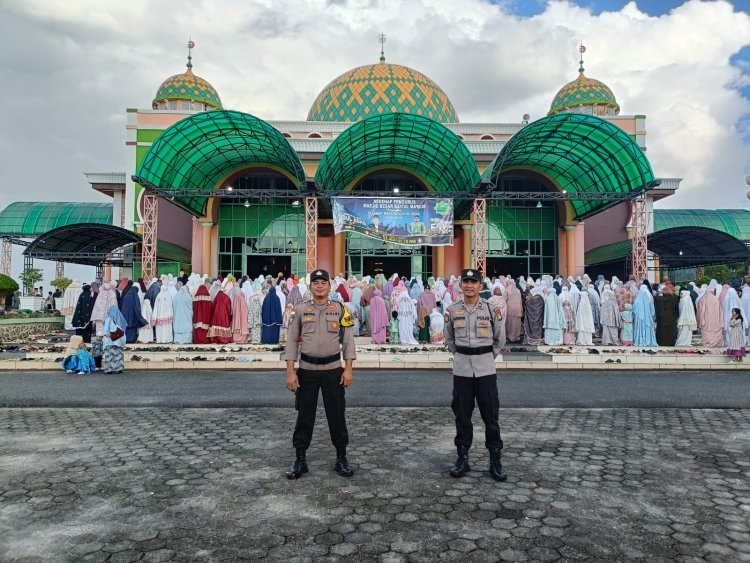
475	334
316	325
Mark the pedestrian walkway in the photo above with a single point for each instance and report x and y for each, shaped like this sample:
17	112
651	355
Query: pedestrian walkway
208	485
46	354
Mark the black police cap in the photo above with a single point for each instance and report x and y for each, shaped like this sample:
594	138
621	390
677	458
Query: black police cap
319	275
470	274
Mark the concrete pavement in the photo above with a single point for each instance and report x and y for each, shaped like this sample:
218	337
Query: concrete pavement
161	484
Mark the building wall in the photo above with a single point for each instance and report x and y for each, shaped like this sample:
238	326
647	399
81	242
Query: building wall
608	226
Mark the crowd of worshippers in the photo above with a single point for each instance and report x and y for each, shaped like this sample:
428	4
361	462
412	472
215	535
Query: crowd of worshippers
396	310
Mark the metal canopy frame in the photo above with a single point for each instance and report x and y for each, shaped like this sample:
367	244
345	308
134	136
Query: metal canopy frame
84	243
581	154
198	152
417	144
680	247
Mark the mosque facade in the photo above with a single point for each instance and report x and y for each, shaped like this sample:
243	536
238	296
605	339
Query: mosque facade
251	236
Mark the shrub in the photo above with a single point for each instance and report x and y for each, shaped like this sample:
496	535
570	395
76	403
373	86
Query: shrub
61	283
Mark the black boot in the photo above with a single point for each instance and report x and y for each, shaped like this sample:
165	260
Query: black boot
496	468
299	467
342	466
462	463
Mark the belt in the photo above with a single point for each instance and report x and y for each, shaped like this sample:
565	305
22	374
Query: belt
466	351
320	361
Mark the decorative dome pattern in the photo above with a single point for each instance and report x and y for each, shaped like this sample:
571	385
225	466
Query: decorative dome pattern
584	91
188	86
379	89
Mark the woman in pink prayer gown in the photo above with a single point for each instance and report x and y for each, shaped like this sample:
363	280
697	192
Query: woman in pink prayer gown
240	330
378	318
514	320
710	320
398	289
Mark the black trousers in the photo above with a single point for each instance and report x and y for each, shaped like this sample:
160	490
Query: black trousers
483	391
306	403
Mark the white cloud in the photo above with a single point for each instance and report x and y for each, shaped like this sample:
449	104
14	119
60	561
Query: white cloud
75	66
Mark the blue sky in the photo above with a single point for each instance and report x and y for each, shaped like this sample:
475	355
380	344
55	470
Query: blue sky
651	7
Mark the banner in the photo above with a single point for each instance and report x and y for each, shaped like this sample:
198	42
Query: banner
411	222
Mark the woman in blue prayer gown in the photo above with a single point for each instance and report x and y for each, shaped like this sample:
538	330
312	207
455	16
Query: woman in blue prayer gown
131	310
182	305
644	333
271	317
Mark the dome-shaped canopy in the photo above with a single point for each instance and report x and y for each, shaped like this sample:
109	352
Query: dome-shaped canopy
188	86
585	92
378	89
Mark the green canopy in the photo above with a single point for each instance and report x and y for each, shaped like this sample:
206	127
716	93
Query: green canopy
735	222
32	218
202	150
579	153
416	144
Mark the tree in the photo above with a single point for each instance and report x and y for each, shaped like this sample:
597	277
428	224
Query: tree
8	286
30	277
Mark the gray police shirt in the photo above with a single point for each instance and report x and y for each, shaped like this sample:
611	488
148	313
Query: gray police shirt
473	326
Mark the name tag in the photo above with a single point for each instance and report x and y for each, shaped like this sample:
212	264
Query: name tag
483	323
308	319
459	323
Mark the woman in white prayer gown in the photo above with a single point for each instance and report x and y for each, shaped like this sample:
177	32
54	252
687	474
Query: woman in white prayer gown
554	320
146	333
70	300
437	324
282	296
575	295
732	301
163	316
407	319
584	321
746	309
686	322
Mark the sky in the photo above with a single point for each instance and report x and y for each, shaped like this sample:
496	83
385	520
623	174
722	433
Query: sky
70	68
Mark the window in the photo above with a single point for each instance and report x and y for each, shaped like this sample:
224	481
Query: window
314	136
487	138
173	105
186	104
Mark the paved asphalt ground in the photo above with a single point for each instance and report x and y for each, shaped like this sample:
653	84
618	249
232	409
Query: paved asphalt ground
373	388
125	476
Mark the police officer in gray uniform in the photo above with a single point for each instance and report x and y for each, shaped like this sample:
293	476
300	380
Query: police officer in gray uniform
475	334
314	333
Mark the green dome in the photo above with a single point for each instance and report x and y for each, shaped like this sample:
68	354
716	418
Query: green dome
380	89
585	91
187	86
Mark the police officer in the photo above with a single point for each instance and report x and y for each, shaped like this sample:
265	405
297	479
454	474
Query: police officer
475	334
314	331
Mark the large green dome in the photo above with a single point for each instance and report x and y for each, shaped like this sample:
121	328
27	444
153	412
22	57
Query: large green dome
585	92
379	89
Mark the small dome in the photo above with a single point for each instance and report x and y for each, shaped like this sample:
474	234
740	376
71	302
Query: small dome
379	89
583	93
187	86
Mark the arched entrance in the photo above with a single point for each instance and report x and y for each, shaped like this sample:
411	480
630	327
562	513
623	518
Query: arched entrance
262	236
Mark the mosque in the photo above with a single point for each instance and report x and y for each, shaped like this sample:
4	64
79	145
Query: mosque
233	187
